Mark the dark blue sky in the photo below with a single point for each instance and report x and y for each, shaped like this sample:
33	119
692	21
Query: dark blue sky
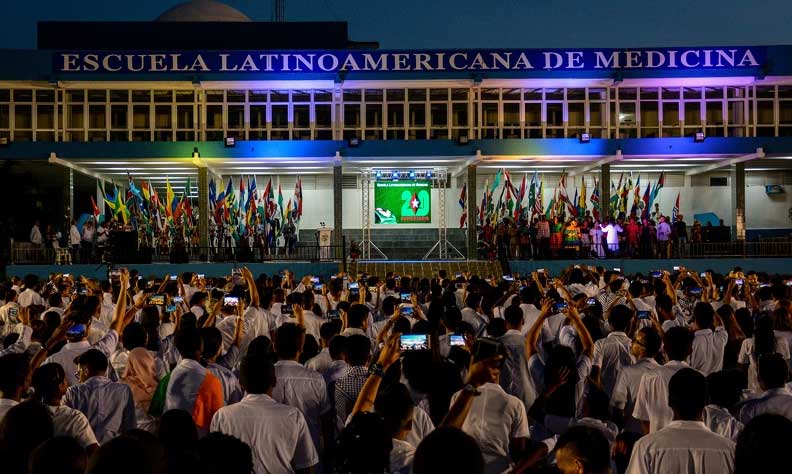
470	23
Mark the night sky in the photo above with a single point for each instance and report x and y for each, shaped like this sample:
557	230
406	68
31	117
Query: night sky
469	23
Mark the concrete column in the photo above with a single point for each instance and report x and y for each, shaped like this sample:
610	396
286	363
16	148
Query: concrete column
472	215
605	195
203	207
738	200
338	208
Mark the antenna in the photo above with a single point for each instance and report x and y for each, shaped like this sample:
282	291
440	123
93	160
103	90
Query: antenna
280	10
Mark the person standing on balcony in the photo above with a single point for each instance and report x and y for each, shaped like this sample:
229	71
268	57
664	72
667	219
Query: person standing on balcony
680	234
35	234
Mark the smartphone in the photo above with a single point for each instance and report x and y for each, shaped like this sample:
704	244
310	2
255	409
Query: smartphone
82	290
676	268
656	274
178	299
507	278
171	308
314	280
558	307
456	340
13	311
317	287
155	300
617	270
739	282
414	342
174	277
541	270
287	308
458	275
67	275
644	315
354	285
201	276
231	301
591	301
77	330
695	290
407	311
764	285
334	314
703	275
236	271
789	283
405	297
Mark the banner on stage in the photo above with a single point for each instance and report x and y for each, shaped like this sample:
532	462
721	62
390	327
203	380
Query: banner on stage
402	202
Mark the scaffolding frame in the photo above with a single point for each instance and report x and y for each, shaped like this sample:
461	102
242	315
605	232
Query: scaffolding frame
440	250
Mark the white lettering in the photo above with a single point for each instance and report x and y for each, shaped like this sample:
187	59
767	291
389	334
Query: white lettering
323	62
91	62
632	59
523	62
452	60
422	62
707	58
400	62
285	62
478	63
248	64
308	63
131	62
224	63
106	62
268	60
175	63
574	59
350	64
369	64
501	60
672	59
157	63
199	63
748	59
552	60
654	59
69	62
602	62
684	59
728	57
440	61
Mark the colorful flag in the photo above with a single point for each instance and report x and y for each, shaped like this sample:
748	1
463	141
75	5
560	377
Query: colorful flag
532	195
280	204
538	204
646	206
675	210
96	211
595	200
613	202
657	188
581	203
298	199
496	183
636	206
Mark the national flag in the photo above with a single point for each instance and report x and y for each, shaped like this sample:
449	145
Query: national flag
636	207
574	210
538	204
134	189
463	205
646	198
518	211
581	203
212	193
96	211
496	183
657	188
532	194
625	192
170	199
280	203
595	200
550	212
298	199
675	210
613	202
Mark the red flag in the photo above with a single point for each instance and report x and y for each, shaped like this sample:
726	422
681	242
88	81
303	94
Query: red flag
96	211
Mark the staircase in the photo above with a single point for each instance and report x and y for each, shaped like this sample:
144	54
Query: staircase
426	269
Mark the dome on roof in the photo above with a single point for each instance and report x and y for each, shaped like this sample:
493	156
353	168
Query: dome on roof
202	10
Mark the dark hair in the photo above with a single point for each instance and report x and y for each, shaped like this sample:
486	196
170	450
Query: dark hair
224	454
389	305
678	342
262	346
256	374
586	445
449	450
364	445
773	370
13	371
212	341
652	341
620	317
473	300
338	346
58	455
764	336
357	314
762	445
514	316
396	405
704	315
289	340
94	360
664	302
177	432
496	327
358	349
725	387
23	427
47	380
188	342
134	335
687	393
598	404
122	455
329	329
309	350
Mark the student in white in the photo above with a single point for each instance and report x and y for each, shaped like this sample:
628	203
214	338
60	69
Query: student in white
777	398
514	378
613	352
30	296
49	384
277	434
612	231
764	341
651	403
709	339
644	347
685	445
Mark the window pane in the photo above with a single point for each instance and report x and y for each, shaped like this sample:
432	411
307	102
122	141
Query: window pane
713	92
575	114
532	94
162	117
785	112
765	92
416	95
596	114
236	116
417	115
598	94
691	92
45	116
76	114
511	94
438	94
75	95
159	96
649	114
374	95
323	115
279	96
511	114
670	92
258	96
626	115
649	93
5	119
118	116
373	115
490	94
395	95
576	94
280	116
670	113
439	115
323	96
96	116
714	113
301	96
489	114
258	116
692	113
214	116
628	93
302	116
145	96
351	115
119	95
45	96
184	116
185	96
23	116
533	114
459	94
555	115
764	111
352	95
460	115
736	111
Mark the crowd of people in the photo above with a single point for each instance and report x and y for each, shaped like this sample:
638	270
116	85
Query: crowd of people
630	236
588	371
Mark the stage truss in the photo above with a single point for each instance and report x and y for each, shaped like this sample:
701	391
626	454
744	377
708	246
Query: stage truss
438	177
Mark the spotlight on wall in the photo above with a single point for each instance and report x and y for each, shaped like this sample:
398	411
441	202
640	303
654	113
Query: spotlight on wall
699	137
428	174
584	137
463	140
411	174
353	142
378	174
395	175
230	142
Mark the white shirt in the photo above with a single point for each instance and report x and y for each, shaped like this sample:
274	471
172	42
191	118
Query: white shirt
401	457
277	434
776	401
321	362
610	355
651	404
514	377
626	390
422	426
30	297
70	422
35	235
494	419
74	236
682	447
530	315
612	231
65	357
748	357
663	231
5	405
721	422
304	389
708	346
108	406
255	325
472	317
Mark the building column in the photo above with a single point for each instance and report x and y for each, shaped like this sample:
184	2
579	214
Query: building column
70	211
472	215
338	209
203	208
605	196
738	200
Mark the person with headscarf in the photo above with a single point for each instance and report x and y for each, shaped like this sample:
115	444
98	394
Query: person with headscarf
141	377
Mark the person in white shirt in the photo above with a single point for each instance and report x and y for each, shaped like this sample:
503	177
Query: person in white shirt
9	313
612	231
35	234
644	348
685	445
74	240
471	314
651	403
725	391
108	405
322	361
49	383
30	296
613	352
299	387
583	449
277	434
514	377
776	398
709	339
764	341
304	302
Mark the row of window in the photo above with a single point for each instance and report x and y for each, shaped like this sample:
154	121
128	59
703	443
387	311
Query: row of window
393	113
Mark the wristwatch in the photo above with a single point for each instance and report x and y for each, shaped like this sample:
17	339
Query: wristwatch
376	369
471	389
